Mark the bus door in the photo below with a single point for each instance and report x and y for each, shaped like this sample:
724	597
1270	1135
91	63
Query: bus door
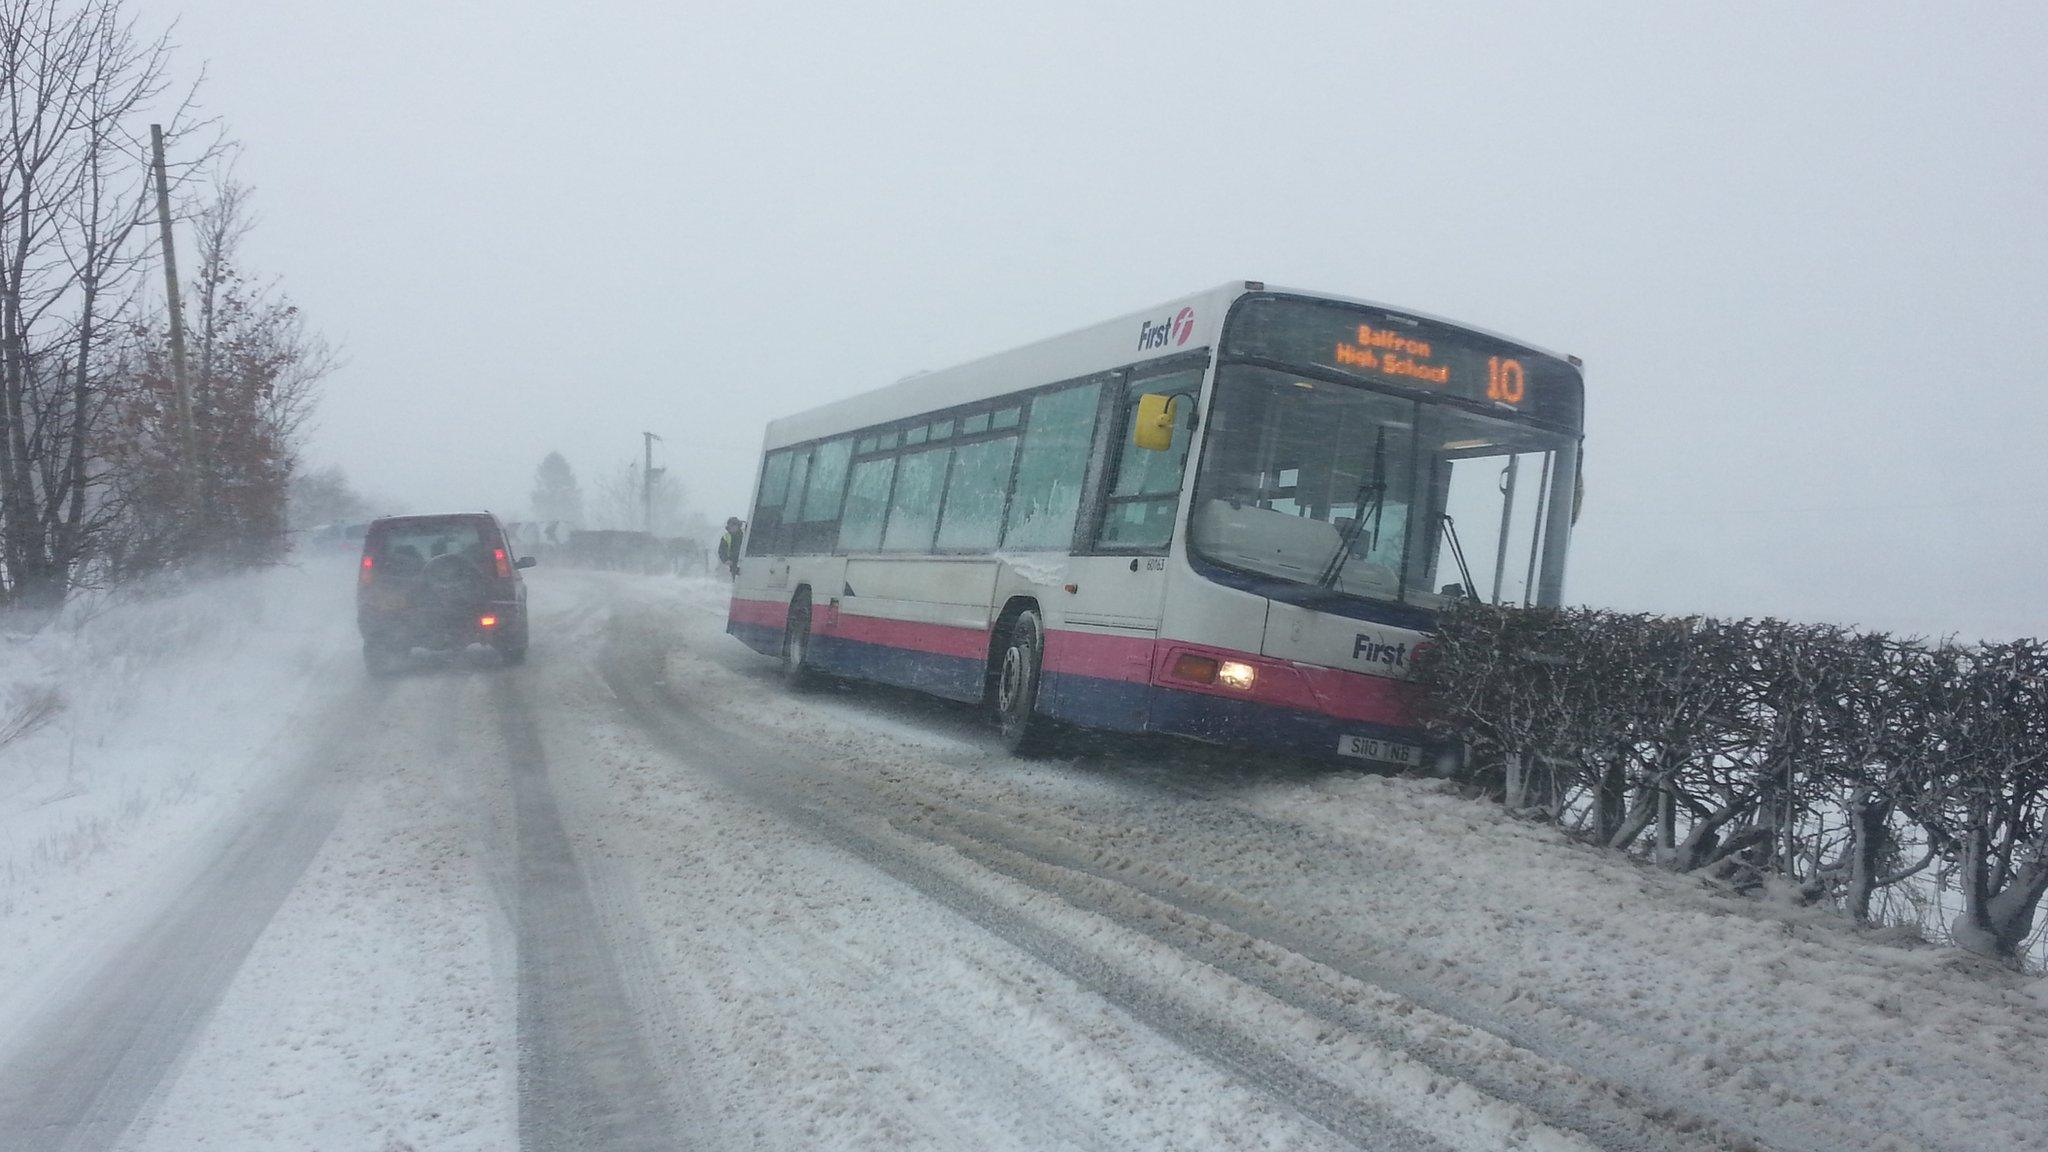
1099	658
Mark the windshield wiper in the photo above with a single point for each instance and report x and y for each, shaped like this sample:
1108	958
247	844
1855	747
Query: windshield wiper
1373	488
1458	554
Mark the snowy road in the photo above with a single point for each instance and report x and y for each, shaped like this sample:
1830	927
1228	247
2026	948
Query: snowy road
635	895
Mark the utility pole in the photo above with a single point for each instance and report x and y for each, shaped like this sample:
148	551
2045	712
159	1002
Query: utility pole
188	456
648	472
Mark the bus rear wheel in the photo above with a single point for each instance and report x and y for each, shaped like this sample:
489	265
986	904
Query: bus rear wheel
1019	672
796	646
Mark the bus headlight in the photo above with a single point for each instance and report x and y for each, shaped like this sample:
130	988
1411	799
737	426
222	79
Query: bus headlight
1198	669
1236	674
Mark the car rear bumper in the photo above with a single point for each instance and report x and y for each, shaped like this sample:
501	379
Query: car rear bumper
441	628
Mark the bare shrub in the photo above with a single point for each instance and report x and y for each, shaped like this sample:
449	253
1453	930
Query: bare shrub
30	708
1809	760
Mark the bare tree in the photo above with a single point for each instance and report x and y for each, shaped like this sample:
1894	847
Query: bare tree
616	502
253	390
324	496
77	83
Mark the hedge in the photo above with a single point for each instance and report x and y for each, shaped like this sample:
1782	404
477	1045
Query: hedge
1833	763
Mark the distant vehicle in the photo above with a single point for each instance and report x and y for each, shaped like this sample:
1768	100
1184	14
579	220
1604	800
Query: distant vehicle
439	582
1232	517
615	550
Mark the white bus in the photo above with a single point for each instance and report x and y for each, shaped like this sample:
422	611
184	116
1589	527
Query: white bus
1231	518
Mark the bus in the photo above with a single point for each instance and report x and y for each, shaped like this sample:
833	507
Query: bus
1230	518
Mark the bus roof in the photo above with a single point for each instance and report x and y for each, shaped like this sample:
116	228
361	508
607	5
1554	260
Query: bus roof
1182	325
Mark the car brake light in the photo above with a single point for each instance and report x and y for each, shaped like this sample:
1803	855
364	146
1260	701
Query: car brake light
487	622
504	564
368	565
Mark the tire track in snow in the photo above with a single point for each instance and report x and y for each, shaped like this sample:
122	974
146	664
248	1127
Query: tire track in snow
88	1066
1616	1086
586	1079
1572	1087
1325	986
1035	1112
761	774
664	1020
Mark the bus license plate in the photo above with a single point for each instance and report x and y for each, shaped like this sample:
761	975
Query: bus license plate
1385	751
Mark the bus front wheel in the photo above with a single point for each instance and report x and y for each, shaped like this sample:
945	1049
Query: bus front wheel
1024	731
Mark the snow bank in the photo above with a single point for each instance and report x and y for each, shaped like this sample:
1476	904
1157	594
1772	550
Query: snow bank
169	699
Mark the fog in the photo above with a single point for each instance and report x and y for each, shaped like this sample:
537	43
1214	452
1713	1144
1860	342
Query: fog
1802	254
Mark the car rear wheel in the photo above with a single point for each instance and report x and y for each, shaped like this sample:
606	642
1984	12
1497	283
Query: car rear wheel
512	646
381	659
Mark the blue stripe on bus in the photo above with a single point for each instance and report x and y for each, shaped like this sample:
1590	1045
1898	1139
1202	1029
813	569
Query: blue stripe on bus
760	637
1225	721
954	677
1095	702
1121	706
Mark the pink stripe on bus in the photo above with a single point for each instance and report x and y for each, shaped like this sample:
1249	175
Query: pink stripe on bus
1335	692
915	635
1127	658
769	613
1359	696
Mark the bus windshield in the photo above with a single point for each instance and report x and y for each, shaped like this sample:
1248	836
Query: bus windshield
1335	486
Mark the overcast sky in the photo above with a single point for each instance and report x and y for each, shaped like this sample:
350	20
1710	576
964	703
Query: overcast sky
1804	254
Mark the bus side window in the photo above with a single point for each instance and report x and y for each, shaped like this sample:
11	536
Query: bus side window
816	519
914	505
761	539
827	482
1146	490
867	505
1053	469
785	516
972	518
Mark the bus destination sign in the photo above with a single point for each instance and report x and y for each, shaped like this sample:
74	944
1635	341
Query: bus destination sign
1405	352
1400	357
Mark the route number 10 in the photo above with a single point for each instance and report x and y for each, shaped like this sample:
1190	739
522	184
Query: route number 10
1504	380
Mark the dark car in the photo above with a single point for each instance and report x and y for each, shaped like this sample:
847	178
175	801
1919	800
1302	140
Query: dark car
439	582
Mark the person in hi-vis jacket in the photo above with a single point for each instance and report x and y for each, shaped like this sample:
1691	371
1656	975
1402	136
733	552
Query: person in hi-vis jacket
729	545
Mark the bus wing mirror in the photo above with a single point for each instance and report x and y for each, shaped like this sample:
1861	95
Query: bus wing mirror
1152	429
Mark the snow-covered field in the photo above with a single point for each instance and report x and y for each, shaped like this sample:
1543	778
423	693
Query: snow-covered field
175	709
634	894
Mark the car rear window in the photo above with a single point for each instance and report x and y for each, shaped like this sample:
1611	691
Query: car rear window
403	547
